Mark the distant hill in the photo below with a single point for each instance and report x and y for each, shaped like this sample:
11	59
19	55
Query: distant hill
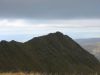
92	45
54	52
88	41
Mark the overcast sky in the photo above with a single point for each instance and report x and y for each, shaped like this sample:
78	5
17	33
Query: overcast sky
23	19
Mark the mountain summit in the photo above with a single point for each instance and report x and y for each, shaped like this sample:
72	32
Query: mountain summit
54	52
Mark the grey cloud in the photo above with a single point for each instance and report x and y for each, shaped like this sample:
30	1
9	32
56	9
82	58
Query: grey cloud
49	9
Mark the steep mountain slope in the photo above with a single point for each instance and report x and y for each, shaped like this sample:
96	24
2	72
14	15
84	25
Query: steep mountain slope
54	52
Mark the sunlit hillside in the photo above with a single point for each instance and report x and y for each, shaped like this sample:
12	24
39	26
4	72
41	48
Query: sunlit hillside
91	45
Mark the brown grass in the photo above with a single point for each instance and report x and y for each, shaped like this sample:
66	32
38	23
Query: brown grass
21	73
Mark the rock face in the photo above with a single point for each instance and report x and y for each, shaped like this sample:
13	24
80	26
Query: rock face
54	52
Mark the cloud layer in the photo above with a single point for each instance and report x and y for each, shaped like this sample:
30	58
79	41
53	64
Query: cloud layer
12	28
50	9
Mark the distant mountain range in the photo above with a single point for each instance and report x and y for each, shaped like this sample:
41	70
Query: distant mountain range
54	52
91	44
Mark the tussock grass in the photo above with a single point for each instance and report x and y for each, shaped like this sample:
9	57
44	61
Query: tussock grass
22	73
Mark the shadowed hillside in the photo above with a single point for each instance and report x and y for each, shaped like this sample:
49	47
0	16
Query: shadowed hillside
54	52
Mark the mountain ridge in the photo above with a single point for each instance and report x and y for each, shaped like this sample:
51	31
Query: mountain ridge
54	52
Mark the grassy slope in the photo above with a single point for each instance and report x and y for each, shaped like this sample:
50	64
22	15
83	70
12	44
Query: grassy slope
52	53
